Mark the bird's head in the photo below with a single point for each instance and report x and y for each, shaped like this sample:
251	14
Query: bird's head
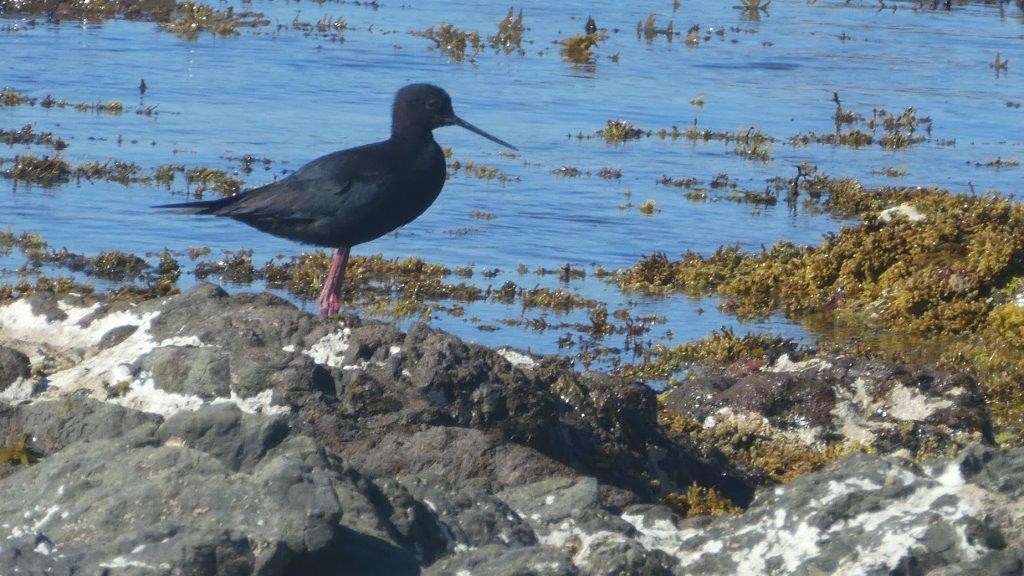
420	108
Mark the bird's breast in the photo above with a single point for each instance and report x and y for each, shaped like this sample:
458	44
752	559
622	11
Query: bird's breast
422	182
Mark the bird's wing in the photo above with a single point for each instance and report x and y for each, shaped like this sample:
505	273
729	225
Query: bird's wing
331	184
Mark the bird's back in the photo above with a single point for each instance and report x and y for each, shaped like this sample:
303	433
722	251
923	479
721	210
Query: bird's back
346	197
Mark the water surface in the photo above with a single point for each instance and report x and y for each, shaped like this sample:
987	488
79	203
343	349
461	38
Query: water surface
277	93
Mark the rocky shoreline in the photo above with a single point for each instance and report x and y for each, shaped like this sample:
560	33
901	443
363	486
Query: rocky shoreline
214	434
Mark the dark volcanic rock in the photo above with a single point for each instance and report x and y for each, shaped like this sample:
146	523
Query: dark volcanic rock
115	336
177	500
243	347
215	434
500	561
834	398
427	403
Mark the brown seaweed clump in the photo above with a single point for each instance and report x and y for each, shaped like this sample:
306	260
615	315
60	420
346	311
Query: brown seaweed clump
509	38
46	171
938	268
457	44
577	48
200	180
617	131
16	450
28	136
190	19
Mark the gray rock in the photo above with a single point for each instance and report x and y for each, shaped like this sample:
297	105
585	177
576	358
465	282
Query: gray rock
549	502
834	398
498	561
251	505
566	513
472	517
864	515
396	406
223	432
13	365
115	336
53	425
420	453
202	372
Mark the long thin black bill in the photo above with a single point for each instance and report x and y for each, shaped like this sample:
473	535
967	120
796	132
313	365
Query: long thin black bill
460	122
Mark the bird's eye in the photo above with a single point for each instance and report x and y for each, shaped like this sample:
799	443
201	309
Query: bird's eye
433	104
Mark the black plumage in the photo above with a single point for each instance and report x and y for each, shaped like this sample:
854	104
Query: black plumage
356	195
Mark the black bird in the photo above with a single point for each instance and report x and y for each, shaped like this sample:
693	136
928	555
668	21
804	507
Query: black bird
356	195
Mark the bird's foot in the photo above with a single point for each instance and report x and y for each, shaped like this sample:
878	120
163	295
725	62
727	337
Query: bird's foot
329	304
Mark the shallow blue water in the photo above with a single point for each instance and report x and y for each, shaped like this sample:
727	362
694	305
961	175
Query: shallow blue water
274	92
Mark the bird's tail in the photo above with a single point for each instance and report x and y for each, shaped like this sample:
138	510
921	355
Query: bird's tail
201	206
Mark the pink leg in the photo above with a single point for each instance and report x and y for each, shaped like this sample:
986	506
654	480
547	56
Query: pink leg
330	295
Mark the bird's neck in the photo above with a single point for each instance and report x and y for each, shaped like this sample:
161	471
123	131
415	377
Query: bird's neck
412	138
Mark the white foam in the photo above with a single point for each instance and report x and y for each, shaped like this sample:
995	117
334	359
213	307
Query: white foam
112	366
517	359
19	323
568	529
330	349
908	403
258	404
785	363
122	562
906	210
